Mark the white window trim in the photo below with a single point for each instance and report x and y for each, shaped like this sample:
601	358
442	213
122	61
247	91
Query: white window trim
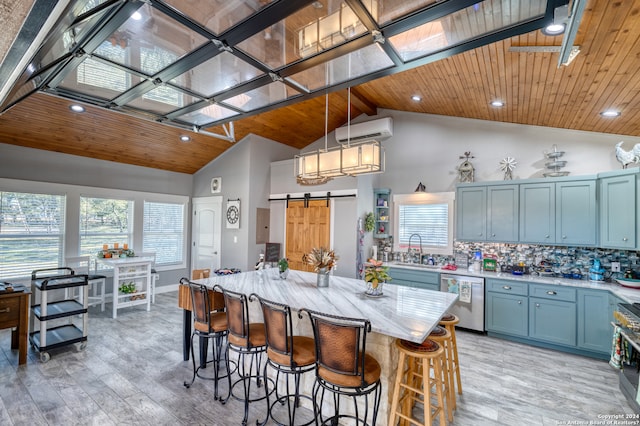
72	210
425	198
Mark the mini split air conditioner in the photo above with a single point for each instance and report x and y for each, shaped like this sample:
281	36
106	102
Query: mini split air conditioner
375	129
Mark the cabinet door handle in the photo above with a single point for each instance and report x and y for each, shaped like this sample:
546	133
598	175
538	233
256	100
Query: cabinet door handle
546	236
564	237
493	235
480	234
537	305
551	293
506	287
625	239
7	310
519	302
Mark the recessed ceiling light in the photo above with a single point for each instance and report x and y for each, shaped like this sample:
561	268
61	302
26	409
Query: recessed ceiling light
610	113
136	16
416	98
553	29
76	108
497	104
185	138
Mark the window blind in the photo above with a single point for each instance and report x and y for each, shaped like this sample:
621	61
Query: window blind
163	231
430	221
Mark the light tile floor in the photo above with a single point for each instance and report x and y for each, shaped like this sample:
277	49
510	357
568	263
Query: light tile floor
132	372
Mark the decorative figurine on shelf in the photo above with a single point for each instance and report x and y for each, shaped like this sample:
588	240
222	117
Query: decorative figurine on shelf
627	157
465	170
381	229
554	164
507	165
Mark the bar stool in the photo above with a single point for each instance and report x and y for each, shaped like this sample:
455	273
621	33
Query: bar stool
449	321
342	365
286	354
441	336
415	380
209	322
248	341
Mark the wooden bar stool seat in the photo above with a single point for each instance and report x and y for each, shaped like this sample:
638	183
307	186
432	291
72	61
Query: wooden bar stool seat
414	382
449	321
442	336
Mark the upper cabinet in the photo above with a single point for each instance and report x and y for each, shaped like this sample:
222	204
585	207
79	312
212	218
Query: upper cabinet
618	210
382	210
487	213
538	211
471	213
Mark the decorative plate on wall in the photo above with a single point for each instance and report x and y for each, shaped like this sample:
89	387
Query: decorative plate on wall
216	185
233	214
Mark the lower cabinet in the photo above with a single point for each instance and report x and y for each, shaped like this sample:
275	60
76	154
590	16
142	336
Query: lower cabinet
574	319
428	280
552	321
507	313
595	312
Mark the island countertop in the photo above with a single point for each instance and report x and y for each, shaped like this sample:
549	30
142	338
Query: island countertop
402	312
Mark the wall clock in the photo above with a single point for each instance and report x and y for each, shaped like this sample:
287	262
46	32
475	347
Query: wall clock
233	214
216	185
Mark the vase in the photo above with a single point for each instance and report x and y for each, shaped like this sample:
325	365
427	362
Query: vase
374	288
323	277
284	274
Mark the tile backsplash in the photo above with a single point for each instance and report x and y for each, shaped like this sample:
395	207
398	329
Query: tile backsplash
574	262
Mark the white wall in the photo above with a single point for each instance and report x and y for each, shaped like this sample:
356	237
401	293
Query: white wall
427	148
245	172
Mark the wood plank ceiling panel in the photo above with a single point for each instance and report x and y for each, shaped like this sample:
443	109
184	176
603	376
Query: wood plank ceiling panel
606	74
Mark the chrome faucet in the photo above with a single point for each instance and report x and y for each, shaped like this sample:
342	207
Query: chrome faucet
410	256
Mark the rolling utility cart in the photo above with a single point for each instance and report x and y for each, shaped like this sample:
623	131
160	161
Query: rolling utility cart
63	321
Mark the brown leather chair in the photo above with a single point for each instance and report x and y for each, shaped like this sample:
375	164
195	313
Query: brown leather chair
198	274
248	341
343	367
286	354
209	322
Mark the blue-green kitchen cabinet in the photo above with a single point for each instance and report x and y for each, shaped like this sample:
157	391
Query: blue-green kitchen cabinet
428	280
552	314
538	213
576	213
506	307
471	213
595	312
562	212
502	213
618	210
487	213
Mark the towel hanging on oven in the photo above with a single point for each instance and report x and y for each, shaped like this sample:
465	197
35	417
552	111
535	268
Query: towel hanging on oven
465	291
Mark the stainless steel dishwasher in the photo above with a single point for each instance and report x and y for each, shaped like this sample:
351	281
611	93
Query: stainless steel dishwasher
470	306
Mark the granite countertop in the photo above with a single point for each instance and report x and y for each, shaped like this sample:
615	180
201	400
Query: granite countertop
629	295
402	312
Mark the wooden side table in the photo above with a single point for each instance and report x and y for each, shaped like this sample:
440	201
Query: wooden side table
14	313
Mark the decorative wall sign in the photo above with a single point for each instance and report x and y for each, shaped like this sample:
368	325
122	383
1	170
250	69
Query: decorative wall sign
216	185
233	214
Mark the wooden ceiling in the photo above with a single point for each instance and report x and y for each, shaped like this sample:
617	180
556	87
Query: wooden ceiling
605	74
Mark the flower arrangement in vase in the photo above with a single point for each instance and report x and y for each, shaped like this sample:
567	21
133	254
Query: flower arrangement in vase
323	261
375	275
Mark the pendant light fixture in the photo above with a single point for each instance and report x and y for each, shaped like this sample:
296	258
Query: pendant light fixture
349	159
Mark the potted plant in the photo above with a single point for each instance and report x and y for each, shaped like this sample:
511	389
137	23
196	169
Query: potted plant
375	275
323	261
369	222
283	268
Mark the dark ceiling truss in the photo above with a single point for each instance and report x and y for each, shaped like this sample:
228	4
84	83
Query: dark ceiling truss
108	17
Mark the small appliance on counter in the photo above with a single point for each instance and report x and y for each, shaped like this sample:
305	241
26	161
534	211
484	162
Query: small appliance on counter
596	273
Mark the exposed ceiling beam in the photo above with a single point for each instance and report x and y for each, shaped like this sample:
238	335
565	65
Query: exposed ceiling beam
361	102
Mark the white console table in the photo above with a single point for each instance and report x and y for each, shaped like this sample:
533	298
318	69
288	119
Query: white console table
135	270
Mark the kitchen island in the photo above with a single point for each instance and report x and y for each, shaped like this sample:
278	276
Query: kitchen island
401	312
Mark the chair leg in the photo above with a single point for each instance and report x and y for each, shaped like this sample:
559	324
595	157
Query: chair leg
193	361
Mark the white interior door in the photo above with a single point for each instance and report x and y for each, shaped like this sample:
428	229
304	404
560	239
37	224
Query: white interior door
206	233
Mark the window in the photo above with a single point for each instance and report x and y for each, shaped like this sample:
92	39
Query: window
163	232
424	218
104	221
31	232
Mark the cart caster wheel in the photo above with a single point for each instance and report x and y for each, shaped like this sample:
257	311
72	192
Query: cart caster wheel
82	346
44	356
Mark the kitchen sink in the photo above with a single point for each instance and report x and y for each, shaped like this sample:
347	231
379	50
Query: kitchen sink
416	265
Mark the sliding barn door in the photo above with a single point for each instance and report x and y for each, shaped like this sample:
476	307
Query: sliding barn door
307	227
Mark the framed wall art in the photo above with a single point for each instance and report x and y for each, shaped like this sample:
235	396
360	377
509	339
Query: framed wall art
233	214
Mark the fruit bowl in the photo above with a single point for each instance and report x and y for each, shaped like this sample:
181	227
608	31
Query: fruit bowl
628	282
